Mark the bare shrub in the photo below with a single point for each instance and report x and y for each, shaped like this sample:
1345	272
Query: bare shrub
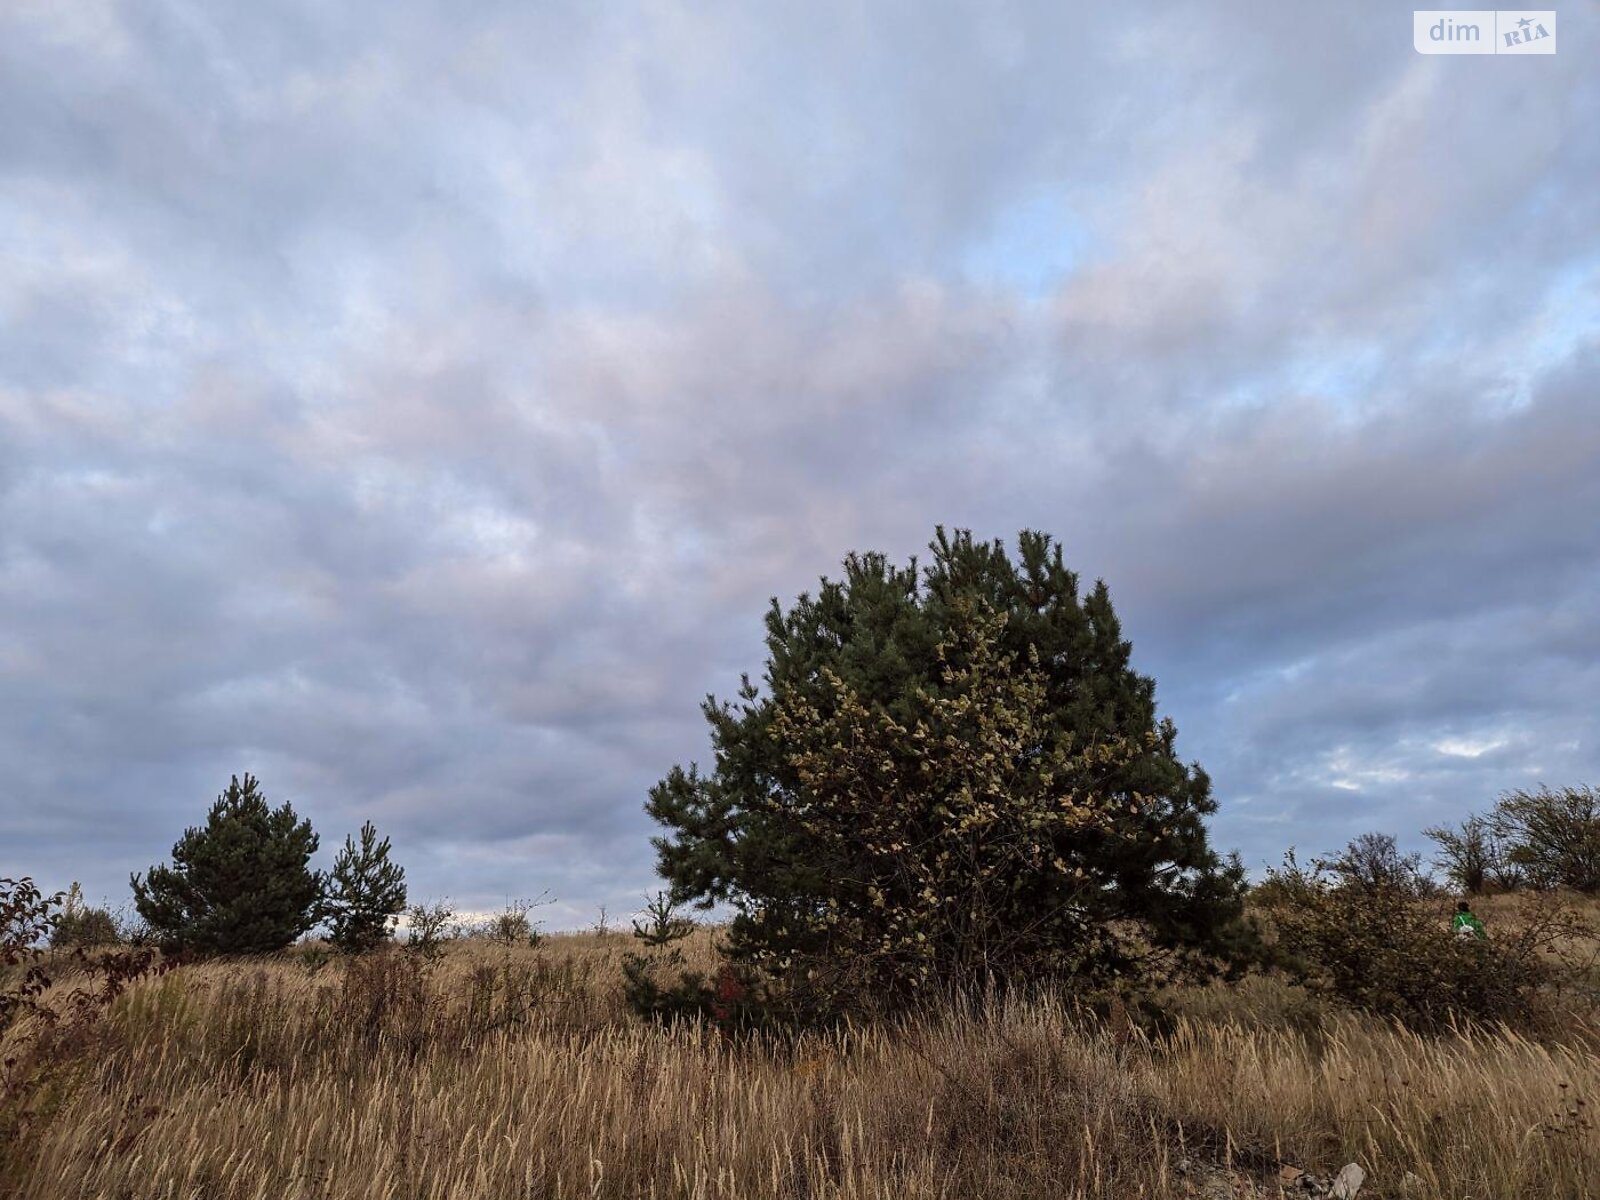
514	924
430	926
1473	856
1372	861
385	1000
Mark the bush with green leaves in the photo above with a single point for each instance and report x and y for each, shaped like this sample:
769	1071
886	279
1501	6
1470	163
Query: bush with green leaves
953	777
239	884
366	894
1389	949
81	924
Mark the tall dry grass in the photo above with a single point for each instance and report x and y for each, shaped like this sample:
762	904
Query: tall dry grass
518	1073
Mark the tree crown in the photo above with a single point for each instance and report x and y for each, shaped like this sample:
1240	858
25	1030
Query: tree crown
239	884
951	773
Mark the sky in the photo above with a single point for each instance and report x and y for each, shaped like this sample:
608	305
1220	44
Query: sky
417	405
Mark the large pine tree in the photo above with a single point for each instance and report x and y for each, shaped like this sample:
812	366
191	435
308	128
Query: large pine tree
951	775
239	884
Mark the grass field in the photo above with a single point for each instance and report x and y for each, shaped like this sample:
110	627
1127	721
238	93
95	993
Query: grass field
500	1073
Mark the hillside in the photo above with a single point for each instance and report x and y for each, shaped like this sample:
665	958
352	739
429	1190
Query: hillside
496	1072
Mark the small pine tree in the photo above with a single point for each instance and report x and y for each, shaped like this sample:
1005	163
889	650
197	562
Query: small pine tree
239	884
642	985
664	925
366	894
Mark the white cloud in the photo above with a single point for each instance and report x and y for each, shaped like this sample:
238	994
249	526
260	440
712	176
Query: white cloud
1468	747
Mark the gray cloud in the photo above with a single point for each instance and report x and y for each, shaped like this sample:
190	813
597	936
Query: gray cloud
417	406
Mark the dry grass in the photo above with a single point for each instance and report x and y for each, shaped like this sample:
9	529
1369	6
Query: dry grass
517	1073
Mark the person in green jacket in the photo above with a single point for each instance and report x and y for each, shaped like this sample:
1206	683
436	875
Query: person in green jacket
1465	925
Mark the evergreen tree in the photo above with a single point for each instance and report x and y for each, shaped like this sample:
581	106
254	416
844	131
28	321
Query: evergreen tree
239	884
641	969
952	775
366	893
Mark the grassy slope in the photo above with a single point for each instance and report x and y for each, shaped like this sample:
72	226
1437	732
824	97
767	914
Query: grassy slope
505	1073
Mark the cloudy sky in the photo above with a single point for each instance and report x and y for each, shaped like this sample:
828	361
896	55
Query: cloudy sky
417	404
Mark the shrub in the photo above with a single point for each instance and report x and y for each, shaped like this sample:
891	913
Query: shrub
40	1064
80	924
1554	836
1372	861
314	956
513	925
430	926
1473	856
1388	949
27	917
385	998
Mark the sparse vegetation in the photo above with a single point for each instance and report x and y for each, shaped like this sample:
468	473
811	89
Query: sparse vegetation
503	1064
981	947
514	925
494	1071
1377	942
